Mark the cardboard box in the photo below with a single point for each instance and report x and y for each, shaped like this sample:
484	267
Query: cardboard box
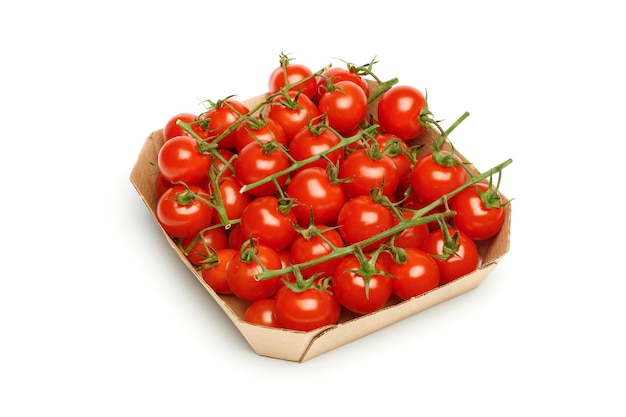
301	346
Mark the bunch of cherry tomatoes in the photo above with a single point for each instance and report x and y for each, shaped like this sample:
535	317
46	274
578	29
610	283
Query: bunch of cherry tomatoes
306	204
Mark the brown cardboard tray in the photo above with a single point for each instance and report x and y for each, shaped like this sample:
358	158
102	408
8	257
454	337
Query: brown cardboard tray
301	346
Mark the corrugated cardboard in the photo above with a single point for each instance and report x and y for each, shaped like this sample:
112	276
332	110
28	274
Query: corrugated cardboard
302	346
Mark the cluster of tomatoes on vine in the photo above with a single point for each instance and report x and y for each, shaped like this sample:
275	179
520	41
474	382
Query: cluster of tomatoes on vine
305	204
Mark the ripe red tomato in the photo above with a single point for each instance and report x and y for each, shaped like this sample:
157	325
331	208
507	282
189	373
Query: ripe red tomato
233	201
259	129
463	260
431	180
313	140
315	194
181	213
215	273
293	112
418	274
201	248
335	74
308	248
172	129
345	106
305	310
221	117
357	293
262	312
397	150
366	173
262	219
179	159
413	236
255	163
291	73
399	111
241	274
473	217
361	218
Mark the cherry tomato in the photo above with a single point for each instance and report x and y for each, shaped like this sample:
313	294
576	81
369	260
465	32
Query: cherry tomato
306	310
291	73
315	194
179	159
181	213
357	293
365	173
308	248
215	274
335	74
397	150
241	274
473	217
262	312
463	260
345	106
418	274
172	129
431	180
361	218
293	112
262	219
259	129
233	201
256	162
236	239
221	117
413	236
313	140
161	185
201	248
399	111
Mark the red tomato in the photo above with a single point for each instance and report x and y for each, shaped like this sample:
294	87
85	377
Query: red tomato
431	180
219	118
241	274
473	217
361	218
293	112
263	220
463	260
366	174
161	185
201	248
235	238
315	194
291	73
355	291
418	274
335	74
172	129
306	310
262	312
181	213
308	248
179	159
399	111
345	105
215	273
313	140
397	150
413	236
255	163
233	201
259	129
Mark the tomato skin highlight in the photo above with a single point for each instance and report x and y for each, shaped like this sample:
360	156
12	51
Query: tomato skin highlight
314	192
180	160
183	220
399	111
417	275
472	217
306	310
463	262
349	287
345	106
263	221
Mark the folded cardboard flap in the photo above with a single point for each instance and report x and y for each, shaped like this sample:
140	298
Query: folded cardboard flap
301	346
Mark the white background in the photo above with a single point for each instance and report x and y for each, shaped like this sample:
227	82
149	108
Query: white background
98	316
